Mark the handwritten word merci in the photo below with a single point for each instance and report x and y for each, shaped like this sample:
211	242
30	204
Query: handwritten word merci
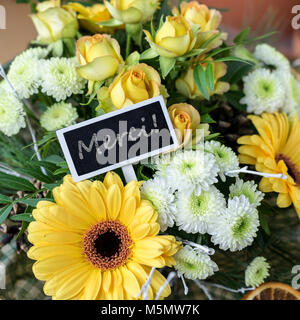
117	139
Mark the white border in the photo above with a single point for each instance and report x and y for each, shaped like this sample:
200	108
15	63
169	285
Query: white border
65	149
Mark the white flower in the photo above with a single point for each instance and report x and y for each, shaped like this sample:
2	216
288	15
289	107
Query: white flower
60	79
248	189
34	53
194	264
271	57
12	115
292	103
162	197
58	116
197	213
192	171
226	159
24	75
161	163
237	227
257	272
264	92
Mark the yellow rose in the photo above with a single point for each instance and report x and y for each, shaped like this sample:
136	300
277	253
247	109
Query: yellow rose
43	6
89	16
173	39
185	84
186	120
132	11
99	56
140	82
54	24
207	19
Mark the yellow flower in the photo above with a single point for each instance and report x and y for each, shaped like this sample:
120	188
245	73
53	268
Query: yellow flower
132	11
275	149
185	84
42	6
89	16
186	120
173	39
54	23
99	56
207	19
140	82
98	241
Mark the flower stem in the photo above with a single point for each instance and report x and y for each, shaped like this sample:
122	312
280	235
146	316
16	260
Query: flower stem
128	44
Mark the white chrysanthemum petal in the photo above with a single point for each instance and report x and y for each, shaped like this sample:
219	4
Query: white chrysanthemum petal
226	159
194	264
12	115
248	189
292	102
34	53
264	92
257	272
160	163
237	227
196	214
24	74
162	197
271	57
60	78
58	116
192	171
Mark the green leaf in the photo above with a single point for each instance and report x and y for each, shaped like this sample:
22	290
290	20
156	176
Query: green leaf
210	77
15	183
148	54
230	58
111	23
33	202
50	166
208	41
233	98
206	118
211	136
97	85
4	212
200	81
48	136
27	217
5	199
264	223
51	186
133	58
35	173
242	36
24	227
166	65
61	171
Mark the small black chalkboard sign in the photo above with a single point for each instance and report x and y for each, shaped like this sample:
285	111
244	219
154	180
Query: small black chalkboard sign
117	139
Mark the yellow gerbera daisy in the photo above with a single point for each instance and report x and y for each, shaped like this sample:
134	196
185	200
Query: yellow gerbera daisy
276	149
98	241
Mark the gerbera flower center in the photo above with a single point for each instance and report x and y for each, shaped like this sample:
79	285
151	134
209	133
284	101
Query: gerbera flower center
292	168
107	245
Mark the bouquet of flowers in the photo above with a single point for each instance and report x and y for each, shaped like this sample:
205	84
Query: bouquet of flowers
211	214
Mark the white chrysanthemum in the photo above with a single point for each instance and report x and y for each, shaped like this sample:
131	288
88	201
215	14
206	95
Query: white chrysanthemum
271	57
237	227
34	53
196	214
58	116
264	92
12	115
194	264
292	103
60	79
161	163
257	272
226	159
192	171
248	189
162	197
24	74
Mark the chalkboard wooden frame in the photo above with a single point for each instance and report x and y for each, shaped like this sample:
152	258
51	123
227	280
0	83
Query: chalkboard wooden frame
65	148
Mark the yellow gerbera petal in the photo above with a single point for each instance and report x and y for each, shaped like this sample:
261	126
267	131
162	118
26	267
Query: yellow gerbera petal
130	283
113	201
